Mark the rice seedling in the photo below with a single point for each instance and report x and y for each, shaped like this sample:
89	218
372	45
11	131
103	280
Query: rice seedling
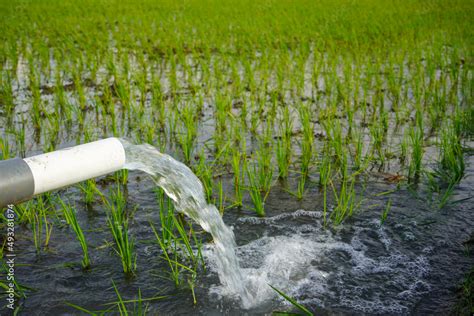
283	158
40	226
139	309
89	189
118	223
187	138
451	156
221	198
71	219
179	254
204	172
416	141
301	188
347	200
292	301
255	192
324	180
237	170
4	149
384	215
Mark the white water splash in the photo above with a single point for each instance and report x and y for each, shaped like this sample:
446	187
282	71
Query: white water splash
186	191
318	268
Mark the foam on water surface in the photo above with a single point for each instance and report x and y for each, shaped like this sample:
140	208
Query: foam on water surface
317	267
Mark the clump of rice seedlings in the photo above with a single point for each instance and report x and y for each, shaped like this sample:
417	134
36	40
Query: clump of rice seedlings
263	169
20	138
6	94
440	189
334	132
187	138
39	224
89	189
358	149
204	173
283	156
121	177
377	132
300	190
416	142
404	148
166	210
180	255
324	180
71	219
347	200
255	192
118	223
451	156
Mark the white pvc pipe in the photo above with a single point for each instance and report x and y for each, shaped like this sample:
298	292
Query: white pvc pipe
68	166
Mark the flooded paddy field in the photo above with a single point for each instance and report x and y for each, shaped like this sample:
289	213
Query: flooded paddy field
335	140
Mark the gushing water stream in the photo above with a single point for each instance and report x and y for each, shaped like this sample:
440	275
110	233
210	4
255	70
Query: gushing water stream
186	191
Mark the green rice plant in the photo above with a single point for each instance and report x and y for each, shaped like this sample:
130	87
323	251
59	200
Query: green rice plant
39	224
416	142
185	239
5	151
237	170
324	180
71	219
292	301
187	138
174	265
263	170
180	255
139	309
255	192
384	215
205	174
347	201
221	197
283	158
377	132
118	224
166	210
404	143
358	149
444	198
333	129
300	191
465	305
121	177
89	189
6	95
452	164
